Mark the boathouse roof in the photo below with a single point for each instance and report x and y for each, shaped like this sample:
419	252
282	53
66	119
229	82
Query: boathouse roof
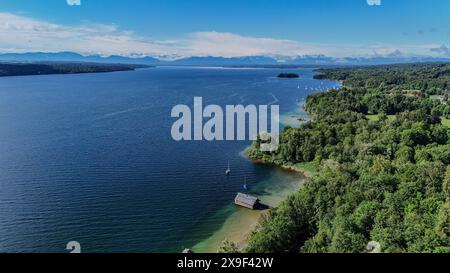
246	200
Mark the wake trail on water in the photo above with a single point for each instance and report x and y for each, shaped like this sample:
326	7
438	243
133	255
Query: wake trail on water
124	112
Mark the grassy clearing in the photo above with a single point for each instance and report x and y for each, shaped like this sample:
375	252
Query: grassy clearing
436	97
446	122
377	117
310	168
373	117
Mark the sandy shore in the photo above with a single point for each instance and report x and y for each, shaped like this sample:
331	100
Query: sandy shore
242	222
236	229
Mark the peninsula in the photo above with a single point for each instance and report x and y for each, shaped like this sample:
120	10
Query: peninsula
382	156
50	68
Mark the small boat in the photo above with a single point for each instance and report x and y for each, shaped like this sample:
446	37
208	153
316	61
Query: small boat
245	186
228	171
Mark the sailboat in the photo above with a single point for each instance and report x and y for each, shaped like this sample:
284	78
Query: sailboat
228	171
245	184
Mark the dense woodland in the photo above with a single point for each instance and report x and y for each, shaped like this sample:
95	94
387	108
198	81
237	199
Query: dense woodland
289	75
24	69
381	150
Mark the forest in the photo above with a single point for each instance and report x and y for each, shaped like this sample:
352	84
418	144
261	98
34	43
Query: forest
49	68
381	152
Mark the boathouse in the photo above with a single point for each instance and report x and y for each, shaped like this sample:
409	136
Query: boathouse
246	201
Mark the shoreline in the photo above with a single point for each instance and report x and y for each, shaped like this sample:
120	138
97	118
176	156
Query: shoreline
242	222
291	168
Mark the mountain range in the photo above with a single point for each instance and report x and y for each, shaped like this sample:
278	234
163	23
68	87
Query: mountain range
308	60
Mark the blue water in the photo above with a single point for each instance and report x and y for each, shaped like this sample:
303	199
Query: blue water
90	157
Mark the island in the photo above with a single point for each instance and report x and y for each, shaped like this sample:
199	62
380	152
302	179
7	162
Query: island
289	75
49	68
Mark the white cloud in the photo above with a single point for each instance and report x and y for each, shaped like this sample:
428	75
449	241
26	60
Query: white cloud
232	45
374	2
74	2
443	49
25	34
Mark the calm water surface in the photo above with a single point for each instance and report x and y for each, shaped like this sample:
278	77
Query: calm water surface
90	157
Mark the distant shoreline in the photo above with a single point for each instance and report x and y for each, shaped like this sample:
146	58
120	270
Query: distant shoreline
14	69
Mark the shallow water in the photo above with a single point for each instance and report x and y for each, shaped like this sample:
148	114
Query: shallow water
240	221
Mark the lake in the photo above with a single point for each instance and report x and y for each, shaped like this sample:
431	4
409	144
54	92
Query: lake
90	157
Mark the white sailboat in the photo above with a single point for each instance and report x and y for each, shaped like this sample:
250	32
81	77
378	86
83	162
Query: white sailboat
228	171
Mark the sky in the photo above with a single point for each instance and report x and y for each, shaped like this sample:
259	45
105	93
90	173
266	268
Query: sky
228	28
